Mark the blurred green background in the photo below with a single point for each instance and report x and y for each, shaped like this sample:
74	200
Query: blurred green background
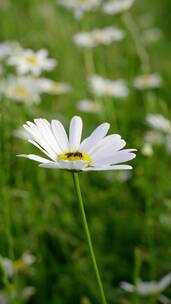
129	219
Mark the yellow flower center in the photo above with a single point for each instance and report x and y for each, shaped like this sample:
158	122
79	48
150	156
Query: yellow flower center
99	36
55	87
20	91
32	59
75	155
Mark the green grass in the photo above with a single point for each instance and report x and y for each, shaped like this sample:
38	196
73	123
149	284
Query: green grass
38	208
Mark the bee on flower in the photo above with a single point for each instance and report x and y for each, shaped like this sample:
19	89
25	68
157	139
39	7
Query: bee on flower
80	7
114	7
28	61
147	81
97	37
105	87
97	152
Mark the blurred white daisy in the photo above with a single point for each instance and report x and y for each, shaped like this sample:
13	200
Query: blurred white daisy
149	288
52	87
154	137
79	7
105	87
147	81
152	35
98	36
117	6
147	149
88	106
8	48
7	266
21	89
29	61
95	153
28	258
159	122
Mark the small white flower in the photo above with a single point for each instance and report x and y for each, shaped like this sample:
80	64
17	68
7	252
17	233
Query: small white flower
147	81
29	61
152	35
147	149
21	89
88	106
52	87
149	288
117	6
98	36
28	292
8	48
159	122
7	266
154	138
95	153
105	87
79	7
28	258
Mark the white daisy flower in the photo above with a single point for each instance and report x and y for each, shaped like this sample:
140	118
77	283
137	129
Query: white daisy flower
79	7
147	81
21	89
96	37
52	87
29	61
105	87
88	106
7	266
152	35
117	6
149	288
147	149
154	137
8	48
95	153
159	122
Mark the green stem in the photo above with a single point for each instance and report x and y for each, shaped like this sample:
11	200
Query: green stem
89	241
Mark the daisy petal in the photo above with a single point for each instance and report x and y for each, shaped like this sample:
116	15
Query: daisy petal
35	158
75	132
116	158
110	143
108	168
60	135
95	137
50	165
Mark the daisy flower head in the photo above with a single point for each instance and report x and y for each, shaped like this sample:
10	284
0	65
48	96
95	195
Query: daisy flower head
79	7
97	37
21	89
52	87
147	81
97	152
159	122
88	106
114	7
106	87
149	288
8	48
29	61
